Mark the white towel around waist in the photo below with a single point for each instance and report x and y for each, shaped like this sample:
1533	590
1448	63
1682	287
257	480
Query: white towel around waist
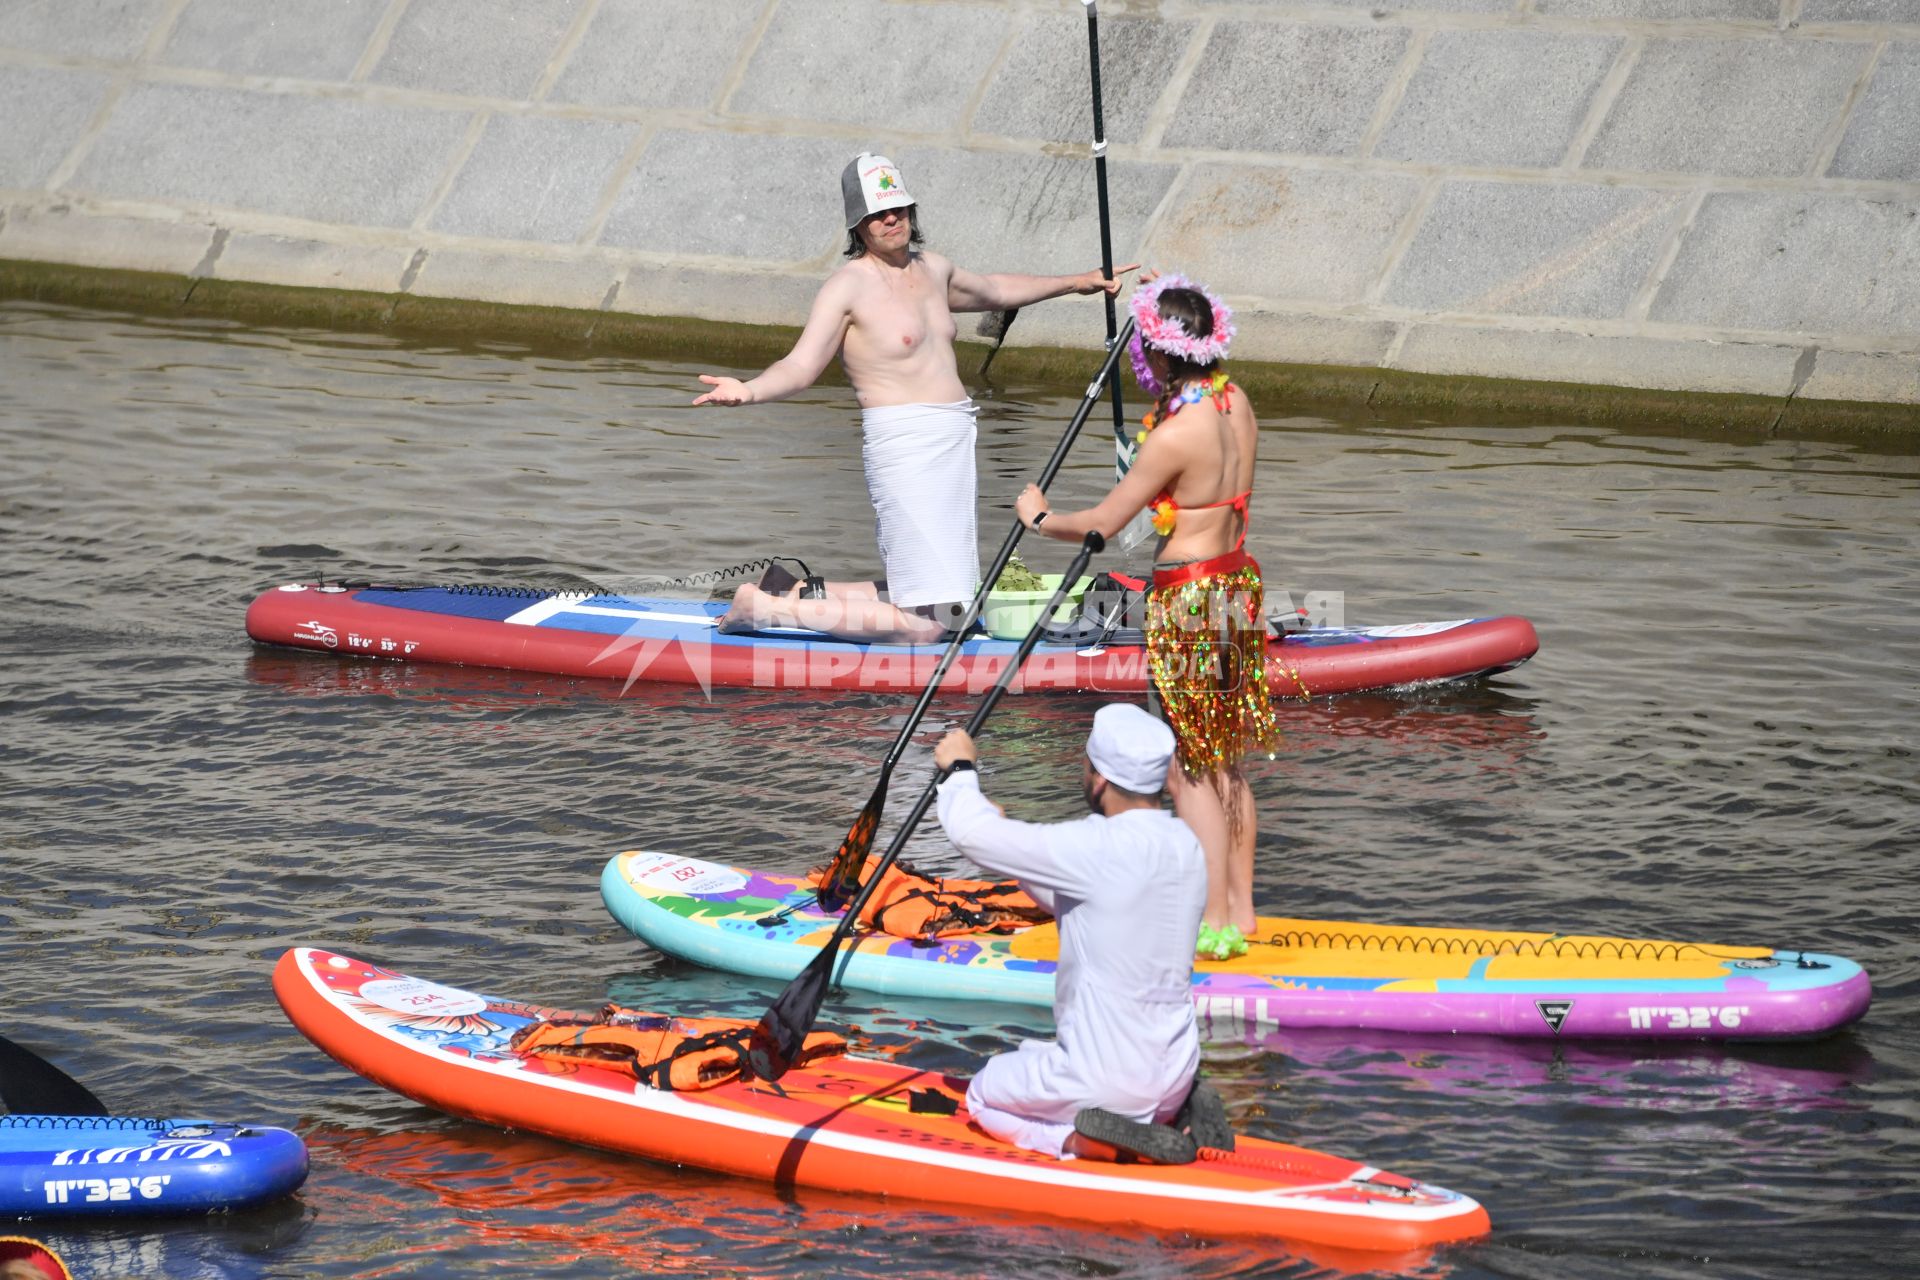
920	478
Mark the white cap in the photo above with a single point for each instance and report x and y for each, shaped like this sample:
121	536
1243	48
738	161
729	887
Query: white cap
870	184
1130	747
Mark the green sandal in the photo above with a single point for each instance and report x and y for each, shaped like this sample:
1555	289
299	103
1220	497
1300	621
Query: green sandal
1223	943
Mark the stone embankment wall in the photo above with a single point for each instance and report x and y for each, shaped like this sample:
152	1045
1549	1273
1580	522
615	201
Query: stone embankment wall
1692	195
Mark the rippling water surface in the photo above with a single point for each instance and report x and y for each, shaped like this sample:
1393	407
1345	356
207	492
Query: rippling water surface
1716	742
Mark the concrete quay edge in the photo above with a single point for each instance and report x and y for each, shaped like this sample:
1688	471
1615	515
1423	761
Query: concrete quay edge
1281	388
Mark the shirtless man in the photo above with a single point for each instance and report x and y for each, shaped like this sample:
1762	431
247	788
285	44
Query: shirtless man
888	315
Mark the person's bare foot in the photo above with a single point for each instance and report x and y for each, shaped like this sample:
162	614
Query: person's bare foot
1085	1148
1101	1135
744	614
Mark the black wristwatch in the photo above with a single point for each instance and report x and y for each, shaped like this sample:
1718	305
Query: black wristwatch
1035	526
962	764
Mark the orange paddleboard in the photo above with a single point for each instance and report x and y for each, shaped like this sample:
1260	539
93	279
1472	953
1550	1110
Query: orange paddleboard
844	1124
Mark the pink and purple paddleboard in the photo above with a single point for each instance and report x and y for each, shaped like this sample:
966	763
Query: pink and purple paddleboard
1297	973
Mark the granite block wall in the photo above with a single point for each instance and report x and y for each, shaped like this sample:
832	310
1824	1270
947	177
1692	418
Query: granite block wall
1716	195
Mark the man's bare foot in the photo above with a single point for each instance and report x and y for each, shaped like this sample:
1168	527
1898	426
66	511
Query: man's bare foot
745	613
856	617
1080	1145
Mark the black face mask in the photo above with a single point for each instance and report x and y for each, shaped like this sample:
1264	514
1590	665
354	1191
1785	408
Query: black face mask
1091	787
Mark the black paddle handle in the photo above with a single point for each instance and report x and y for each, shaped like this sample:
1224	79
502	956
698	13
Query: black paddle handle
1090	546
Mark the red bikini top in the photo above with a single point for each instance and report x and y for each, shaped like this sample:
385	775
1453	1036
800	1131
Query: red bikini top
1166	512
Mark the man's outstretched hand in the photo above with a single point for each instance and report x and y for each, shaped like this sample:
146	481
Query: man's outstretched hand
1094	282
725	391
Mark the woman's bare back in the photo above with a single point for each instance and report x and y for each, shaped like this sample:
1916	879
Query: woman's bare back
1218	453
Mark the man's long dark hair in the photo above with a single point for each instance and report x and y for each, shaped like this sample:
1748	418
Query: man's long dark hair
857	248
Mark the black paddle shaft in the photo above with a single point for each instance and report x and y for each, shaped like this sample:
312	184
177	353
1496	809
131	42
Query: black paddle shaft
782	1032
1060	451
1106	223
1120	432
844	873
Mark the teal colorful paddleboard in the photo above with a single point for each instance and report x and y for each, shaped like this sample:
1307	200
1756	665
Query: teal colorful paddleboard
1297	973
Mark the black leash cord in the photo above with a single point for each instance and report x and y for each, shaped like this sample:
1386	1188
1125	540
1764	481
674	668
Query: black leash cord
706	578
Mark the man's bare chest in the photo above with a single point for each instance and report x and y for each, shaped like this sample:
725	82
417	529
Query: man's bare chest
901	314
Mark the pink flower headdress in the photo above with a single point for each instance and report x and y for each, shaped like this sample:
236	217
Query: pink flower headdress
1151	329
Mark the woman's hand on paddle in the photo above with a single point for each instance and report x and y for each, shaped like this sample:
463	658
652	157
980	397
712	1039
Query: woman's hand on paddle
957	745
1096	282
725	391
1029	504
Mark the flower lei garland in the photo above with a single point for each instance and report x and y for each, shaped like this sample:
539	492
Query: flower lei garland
1164	516
1151	329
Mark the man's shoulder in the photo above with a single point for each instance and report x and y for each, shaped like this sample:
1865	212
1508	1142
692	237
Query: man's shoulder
845	277
1147	816
1164	824
938	264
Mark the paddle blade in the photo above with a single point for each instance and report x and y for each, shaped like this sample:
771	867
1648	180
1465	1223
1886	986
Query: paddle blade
842	878
32	1086
993	327
782	1031
1137	531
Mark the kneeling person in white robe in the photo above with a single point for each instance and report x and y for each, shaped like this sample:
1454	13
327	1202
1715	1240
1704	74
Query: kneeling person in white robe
1127	886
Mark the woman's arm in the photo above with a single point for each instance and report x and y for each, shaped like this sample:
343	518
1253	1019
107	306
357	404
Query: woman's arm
818	344
1157	467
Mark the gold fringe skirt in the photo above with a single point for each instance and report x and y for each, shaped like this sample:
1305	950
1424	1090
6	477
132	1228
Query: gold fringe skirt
1207	653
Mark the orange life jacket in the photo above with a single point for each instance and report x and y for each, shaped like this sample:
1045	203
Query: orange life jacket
658	1049
909	905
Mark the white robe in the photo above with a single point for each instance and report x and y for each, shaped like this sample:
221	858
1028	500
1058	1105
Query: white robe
1128	892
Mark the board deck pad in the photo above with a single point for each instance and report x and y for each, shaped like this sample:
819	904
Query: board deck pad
645	638
1297	973
844	1123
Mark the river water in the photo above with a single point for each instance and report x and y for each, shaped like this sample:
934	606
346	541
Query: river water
1716	742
